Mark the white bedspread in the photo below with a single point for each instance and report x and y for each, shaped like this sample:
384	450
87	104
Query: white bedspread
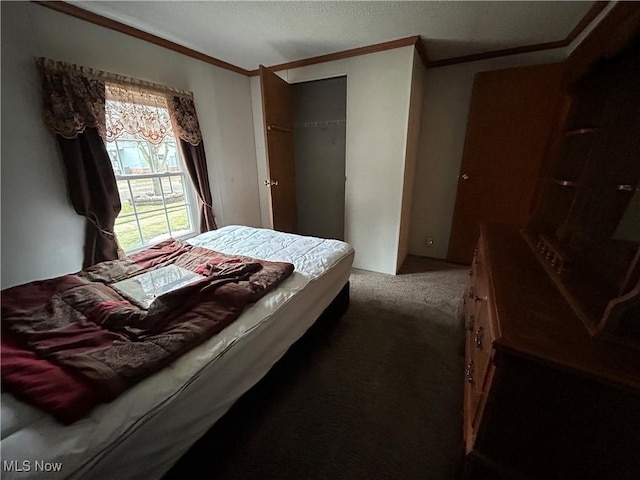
94	446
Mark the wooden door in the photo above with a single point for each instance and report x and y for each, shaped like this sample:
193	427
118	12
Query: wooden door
277	105
511	116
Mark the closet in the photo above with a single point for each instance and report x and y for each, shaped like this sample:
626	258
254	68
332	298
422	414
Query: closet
319	139
305	143
384	105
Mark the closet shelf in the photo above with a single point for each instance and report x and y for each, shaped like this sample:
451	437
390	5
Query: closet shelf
571	183
580	131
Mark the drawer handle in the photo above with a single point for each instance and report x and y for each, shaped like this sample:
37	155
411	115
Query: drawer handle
471	323
478	339
470	294
480	299
469	372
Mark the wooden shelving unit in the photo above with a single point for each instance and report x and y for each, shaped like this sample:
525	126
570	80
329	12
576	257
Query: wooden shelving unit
588	188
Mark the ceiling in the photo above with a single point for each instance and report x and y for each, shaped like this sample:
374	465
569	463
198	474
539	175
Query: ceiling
249	33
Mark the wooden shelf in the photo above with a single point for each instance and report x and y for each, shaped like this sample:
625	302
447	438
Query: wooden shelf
580	131
563	183
588	189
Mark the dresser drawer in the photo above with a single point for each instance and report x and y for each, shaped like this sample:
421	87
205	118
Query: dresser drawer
480	343
480	275
477	317
477	373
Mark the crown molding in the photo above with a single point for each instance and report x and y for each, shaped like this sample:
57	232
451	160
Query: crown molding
415	40
96	19
354	52
593	12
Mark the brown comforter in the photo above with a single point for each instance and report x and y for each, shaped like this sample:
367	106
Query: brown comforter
75	331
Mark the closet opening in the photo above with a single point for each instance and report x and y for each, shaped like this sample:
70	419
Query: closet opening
320	152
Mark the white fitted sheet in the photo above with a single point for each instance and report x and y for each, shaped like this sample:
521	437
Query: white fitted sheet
146	430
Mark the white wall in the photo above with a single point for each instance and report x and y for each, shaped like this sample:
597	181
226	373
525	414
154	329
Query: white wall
447	95
413	143
378	94
41	235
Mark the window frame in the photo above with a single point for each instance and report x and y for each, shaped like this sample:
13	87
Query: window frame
191	198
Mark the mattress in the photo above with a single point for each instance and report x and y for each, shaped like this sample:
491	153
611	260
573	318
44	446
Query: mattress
143	432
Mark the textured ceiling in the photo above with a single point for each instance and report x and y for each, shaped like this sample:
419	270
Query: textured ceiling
247	34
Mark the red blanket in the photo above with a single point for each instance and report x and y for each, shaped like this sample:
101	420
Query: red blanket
72	342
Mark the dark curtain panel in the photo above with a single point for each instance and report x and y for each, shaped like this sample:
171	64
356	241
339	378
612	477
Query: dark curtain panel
93	191
196	164
187	128
74	110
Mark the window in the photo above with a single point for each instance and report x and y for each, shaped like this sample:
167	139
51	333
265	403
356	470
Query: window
155	190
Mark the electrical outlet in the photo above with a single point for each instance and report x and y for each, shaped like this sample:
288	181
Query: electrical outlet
429	242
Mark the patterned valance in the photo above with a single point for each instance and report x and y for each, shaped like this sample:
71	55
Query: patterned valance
76	97
72	99
184	119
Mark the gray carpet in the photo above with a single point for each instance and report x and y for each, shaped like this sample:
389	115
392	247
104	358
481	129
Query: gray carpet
374	394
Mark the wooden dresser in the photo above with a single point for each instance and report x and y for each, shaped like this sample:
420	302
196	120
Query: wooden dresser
543	399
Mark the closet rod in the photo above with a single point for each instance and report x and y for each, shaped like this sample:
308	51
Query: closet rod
278	128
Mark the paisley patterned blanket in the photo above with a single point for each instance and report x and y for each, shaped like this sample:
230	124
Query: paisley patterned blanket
71	342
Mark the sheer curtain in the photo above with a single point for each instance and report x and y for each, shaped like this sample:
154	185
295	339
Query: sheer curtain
74	100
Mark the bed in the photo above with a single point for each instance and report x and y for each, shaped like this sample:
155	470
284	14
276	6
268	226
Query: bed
145	430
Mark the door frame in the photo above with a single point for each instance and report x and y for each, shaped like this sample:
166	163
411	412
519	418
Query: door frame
264	195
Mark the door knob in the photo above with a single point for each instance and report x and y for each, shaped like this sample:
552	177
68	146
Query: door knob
465	176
